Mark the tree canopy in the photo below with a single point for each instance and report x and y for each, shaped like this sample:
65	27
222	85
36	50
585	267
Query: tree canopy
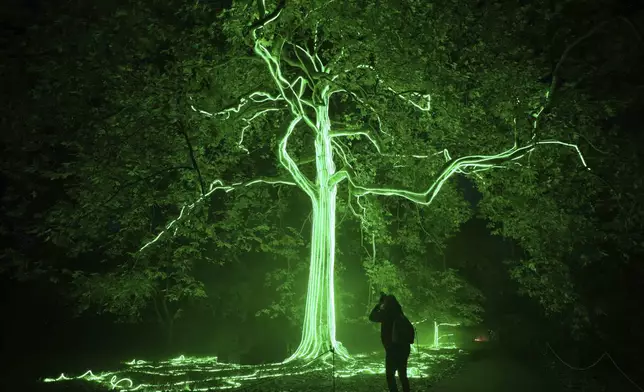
140	121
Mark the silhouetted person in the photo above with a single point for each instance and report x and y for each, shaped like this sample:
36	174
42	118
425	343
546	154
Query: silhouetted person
397	335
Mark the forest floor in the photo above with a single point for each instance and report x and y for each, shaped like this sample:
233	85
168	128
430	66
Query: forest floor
431	371
497	372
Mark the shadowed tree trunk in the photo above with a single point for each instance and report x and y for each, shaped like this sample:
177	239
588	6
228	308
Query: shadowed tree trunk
165	318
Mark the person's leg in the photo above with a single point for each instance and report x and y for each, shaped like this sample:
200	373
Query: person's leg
390	369
402	368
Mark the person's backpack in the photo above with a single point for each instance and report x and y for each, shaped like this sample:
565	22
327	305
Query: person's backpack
403	331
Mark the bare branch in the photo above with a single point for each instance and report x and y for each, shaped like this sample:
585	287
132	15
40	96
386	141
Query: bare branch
291	92
591	32
338	177
266	19
338	148
422	106
193	159
565	53
258	97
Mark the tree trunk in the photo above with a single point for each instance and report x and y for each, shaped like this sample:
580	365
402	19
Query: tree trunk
165	321
318	332
168	324
169	331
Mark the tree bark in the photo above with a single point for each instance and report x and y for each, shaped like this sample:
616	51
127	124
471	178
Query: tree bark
169	323
165	321
318	332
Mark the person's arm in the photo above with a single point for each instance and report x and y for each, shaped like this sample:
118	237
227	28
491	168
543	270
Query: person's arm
376	314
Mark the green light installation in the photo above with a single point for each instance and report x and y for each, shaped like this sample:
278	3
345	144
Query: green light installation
306	98
207	374
437	336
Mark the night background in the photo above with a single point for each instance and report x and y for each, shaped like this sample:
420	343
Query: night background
172	170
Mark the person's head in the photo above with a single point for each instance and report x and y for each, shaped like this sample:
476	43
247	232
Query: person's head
392	304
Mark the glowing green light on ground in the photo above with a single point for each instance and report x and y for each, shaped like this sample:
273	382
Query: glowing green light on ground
207	374
307	99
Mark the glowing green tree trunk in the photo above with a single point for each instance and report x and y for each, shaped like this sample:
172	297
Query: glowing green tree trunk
318	332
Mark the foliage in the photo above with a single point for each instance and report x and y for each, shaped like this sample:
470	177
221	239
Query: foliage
554	211
287	280
114	152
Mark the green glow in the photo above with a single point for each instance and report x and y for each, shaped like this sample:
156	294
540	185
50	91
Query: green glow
207	374
437	336
307	99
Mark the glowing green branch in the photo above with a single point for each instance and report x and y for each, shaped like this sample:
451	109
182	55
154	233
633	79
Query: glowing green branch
426	107
255	97
289	164
357	133
443	152
258	97
343	155
355	96
216	185
477	162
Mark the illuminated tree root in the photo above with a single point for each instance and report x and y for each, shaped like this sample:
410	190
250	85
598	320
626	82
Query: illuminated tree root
206	374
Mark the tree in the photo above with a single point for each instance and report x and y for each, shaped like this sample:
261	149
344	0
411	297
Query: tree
353	90
553	214
73	132
165	279
304	79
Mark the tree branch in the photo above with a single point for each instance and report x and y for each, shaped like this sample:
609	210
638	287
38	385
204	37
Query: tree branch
266	19
401	94
259	97
186	209
356	133
592	31
193	159
476	162
134	182
290	165
265	105
565	53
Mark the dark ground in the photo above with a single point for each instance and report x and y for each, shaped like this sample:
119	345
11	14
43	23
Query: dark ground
498	372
